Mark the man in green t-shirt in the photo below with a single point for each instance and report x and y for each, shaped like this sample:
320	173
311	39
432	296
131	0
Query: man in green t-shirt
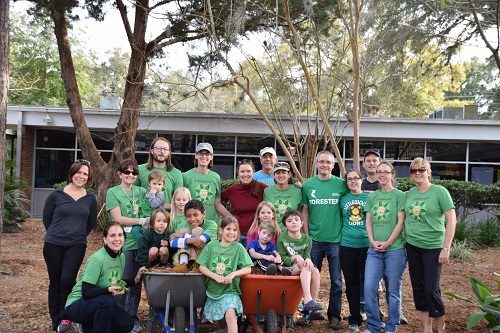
204	184
322	220
160	159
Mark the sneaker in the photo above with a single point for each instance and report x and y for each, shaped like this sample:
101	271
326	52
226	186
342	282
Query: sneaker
271	269
316	315
334	324
137	327
64	326
363	316
403	320
353	328
285	271
303	321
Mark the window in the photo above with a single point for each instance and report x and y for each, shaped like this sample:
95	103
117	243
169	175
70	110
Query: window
445	151
448	171
252	145
484	174
222	144
484	152
364	146
46	138
51	166
403	150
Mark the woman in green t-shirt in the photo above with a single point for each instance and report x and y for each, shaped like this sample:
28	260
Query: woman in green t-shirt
386	254
353	245
92	301
429	229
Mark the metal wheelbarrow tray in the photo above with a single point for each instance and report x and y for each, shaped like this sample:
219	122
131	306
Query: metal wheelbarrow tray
174	290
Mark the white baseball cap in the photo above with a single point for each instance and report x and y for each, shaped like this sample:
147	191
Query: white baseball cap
204	146
268	150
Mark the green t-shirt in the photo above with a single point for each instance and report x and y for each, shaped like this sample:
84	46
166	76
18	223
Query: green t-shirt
204	187
323	197
288	247
173	180
383	208
283	201
131	204
100	270
223	260
353	220
179	223
424	220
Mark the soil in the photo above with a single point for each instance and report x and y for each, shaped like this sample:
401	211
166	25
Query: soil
24	282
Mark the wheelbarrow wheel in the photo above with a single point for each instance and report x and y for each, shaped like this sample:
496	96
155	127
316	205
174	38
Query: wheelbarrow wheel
179	320
271	321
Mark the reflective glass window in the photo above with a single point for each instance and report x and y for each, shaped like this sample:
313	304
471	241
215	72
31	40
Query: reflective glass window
484	152
484	174
143	141
224	166
51	166
364	146
448	171
181	143
46	138
103	140
222	144
183	162
252	145
446	151
403	150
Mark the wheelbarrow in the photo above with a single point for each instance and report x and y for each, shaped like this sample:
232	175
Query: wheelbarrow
174	293
271	296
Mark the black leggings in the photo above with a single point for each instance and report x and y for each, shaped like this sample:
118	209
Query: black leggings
63	263
425	273
352	261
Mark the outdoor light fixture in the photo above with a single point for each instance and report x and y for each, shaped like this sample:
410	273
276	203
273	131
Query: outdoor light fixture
48	119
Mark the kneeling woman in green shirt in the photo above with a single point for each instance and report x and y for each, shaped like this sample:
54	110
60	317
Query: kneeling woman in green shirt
92	301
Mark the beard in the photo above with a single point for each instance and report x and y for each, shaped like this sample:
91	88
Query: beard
160	159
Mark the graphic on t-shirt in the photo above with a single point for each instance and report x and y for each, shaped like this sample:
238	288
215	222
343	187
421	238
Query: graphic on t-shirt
355	214
203	193
282	206
418	210
113	278
291	251
221	265
381	211
313	194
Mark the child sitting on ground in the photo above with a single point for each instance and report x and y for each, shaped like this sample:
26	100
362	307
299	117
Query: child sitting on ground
264	253
153	245
155	198
223	263
295	250
190	242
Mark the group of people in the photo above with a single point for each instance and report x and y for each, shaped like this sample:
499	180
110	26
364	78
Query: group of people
162	217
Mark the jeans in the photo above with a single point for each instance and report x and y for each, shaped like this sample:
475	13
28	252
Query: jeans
62	263
332	253
100	314
392	263
132	296
352	261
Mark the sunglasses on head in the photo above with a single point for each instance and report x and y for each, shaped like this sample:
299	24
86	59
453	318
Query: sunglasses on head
87	162
128	172
419	170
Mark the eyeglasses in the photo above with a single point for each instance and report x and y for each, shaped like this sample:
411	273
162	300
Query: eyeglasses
383	172
162	149
128	172
353	179
419	170
83	161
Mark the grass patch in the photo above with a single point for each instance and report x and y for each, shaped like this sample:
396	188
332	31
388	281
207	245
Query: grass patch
461	250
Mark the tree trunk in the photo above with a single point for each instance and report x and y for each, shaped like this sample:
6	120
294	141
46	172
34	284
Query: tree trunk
355	18
4	88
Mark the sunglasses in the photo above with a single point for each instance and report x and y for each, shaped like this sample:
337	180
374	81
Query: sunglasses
128	172
419	170
86	162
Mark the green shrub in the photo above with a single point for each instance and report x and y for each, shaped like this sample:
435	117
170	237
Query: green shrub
486	301
461	231
461	250
14	199
487	233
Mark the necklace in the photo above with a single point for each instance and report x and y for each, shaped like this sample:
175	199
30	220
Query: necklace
135	207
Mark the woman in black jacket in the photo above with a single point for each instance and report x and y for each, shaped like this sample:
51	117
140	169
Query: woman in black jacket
69	215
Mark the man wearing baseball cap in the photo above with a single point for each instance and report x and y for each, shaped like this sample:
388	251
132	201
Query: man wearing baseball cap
370	163
268	159
203	183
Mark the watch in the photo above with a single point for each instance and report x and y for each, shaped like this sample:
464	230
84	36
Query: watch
446	249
